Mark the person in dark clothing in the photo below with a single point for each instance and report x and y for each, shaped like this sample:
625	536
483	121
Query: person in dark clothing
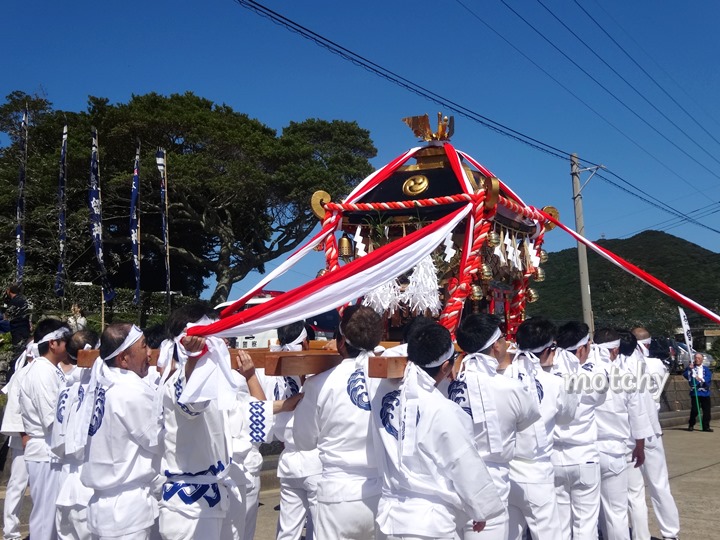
699	378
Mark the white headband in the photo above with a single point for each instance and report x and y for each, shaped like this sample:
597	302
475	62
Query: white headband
579	344
132	337
298	340
443	358
55	335
496	335
539	349
609	345
645	341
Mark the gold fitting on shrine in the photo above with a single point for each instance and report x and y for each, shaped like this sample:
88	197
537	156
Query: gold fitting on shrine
321	272
492	192
543	256
539	275
476	293
345	247
554	213
532	296
316	203
486	273
493	239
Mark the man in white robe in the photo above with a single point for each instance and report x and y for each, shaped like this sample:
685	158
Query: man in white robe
73	496
334	417
122	450
654	470
38	398
12	426
498	406
532	501
621	419
575	457
434	480
202	415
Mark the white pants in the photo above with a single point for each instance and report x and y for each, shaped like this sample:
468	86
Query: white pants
16	486
44	488
655	474
298	502
533	506
234	523
137	535
347	520
178	526
497	527
614	497
637	507
71	523
251	508
577	489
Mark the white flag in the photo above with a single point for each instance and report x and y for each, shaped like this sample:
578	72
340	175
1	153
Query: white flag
686	330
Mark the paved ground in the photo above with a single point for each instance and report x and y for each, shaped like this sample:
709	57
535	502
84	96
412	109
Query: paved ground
693	462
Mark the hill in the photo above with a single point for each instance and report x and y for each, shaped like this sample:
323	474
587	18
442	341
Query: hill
619	299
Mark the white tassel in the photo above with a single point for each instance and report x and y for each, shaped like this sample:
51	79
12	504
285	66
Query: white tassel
421	293
384	298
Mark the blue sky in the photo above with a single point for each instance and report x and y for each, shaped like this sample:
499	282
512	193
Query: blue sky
226	53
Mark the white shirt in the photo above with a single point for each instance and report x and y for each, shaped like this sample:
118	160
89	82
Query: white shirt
515	410
444	483
121	450
575	443
532	462
623	416
38	399
12	422
334	417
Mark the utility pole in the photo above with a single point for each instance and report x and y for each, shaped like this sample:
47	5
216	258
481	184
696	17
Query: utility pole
582	251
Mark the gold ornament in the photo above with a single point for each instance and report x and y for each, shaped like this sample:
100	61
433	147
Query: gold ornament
316	203
486	273
476	293
539	275
345	247
532	296
543	256
493	239
321	272
552	212
415	185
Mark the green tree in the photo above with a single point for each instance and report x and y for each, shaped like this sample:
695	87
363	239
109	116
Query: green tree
239	193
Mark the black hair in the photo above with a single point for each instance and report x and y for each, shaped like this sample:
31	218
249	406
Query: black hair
475	330
427	343
605	335
362	327
534	333
628	342
111	339
183	315
15	288
414	324
290	332
571	333
43	328
78	341
155	335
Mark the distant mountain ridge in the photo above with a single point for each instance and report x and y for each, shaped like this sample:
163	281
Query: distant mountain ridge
619	299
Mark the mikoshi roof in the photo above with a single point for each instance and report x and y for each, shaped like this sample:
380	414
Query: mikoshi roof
353	280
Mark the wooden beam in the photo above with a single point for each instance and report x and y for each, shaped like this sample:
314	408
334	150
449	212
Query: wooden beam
300	362
386	367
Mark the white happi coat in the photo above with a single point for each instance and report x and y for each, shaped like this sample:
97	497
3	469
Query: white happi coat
38	399
199	448
334	417
122	456
442	483
532	463
515	409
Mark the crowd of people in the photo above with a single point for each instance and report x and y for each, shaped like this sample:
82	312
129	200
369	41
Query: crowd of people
480	439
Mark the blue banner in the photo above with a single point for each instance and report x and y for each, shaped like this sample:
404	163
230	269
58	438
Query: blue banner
95	203
135	224
20	209
62	206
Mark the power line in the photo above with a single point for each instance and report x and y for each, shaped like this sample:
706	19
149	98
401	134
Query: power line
497	127
649	76
657	65
611	93
642	96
